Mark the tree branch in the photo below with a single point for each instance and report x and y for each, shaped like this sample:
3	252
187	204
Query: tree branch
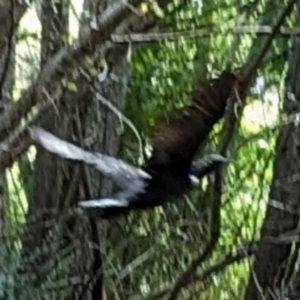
254	65
186	277
8	49
64	60
160	36
249	71
17	142
229	259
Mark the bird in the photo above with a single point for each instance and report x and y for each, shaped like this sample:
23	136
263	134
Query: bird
170	172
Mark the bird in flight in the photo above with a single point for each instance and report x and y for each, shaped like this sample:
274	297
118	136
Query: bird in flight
170	172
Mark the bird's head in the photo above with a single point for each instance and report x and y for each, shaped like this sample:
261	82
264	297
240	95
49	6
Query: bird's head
207	165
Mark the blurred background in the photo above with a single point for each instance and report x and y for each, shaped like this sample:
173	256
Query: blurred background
103	74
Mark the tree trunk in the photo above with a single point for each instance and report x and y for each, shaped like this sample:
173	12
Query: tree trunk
59	184
53	235
274	262
10	15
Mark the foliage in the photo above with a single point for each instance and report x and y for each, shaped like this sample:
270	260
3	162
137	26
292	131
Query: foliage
151	249
162	78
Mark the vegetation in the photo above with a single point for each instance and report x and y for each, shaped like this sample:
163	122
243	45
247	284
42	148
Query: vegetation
234	237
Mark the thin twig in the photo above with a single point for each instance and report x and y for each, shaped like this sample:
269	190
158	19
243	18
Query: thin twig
187	275
64	60
229	259
249	73
122	118
17	141
196	33
9	49
265	46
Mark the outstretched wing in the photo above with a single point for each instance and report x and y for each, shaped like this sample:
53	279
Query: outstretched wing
175	143
124	175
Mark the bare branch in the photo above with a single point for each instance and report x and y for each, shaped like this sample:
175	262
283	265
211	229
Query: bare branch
159	36
229	259
17	141
63	60
8	49
249	73
122	119
252	68
187	276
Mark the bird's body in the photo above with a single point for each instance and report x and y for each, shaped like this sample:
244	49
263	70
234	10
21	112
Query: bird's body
170	172
158	191
162	188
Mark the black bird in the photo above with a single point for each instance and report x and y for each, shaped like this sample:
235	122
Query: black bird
170	171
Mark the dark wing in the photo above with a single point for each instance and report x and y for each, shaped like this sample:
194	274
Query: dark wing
175	143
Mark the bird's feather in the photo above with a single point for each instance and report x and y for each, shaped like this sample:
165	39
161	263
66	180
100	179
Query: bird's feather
166	174
123	174
104	203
